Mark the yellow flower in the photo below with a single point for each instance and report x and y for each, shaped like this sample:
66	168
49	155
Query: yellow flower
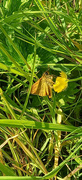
61	82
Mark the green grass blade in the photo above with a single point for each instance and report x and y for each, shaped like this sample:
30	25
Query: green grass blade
38	125
6	170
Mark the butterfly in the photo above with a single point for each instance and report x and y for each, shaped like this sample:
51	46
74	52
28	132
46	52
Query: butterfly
43	86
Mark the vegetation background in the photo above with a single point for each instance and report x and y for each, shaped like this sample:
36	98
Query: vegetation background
40	138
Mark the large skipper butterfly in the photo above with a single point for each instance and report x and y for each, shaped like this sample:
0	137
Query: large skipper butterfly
43	86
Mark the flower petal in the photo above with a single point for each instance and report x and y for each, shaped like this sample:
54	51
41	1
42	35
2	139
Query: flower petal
61	82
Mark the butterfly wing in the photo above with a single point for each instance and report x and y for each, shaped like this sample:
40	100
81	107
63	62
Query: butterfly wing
39	87
36	87
42	87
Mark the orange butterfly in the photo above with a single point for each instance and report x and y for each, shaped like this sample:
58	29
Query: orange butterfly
43	86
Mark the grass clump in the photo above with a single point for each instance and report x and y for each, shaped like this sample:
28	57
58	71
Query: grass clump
40	137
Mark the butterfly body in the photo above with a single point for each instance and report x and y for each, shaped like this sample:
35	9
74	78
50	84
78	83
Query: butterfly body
43	86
